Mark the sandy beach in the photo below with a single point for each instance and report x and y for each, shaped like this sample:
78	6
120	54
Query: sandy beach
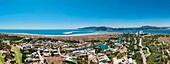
69	37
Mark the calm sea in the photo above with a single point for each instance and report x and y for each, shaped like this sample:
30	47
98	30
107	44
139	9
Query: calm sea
74	31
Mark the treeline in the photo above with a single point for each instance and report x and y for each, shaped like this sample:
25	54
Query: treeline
4	46
12	38
70	41
47	39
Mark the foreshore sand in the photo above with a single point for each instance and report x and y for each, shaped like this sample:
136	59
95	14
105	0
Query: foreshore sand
69	37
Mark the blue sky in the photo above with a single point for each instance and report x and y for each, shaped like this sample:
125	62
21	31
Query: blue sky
71	14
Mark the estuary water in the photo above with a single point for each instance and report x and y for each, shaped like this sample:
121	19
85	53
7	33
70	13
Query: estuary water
75	31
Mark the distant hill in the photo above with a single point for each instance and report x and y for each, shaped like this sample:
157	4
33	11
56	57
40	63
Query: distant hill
96	28
133	28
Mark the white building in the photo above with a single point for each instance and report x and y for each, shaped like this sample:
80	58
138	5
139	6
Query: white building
130	61
141	32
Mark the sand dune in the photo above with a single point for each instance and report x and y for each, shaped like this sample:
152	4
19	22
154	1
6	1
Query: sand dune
69	37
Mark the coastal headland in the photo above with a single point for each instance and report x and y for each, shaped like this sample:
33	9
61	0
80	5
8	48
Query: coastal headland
69	37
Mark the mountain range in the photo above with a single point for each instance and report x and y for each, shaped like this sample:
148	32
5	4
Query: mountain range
133	28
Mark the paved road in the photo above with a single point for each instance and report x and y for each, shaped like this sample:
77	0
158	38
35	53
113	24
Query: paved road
64	55
141	51
125	59
135	40
168	52
60	53
148	52
40	57
140	42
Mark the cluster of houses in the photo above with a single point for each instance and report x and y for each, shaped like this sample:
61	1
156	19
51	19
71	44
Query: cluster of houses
102	58
36	51
8	53
47	49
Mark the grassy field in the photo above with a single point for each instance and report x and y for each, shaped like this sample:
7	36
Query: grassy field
2	61
18	55
7	42
20	40
165	39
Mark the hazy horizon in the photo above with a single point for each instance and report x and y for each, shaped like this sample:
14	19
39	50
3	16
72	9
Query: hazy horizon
73	14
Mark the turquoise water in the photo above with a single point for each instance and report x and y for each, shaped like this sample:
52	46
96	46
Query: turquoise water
117	40
104	47
74	31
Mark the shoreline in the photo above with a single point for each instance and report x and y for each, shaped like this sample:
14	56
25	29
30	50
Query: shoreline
25	34
100	36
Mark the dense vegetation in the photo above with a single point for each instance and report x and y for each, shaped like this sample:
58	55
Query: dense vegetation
157	49
4	46
7	43
138	58
12	38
